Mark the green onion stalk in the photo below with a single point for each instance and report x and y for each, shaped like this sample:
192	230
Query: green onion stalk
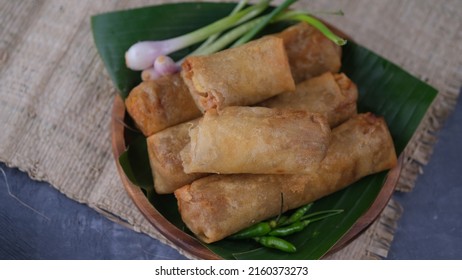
215	36
142	55
239	27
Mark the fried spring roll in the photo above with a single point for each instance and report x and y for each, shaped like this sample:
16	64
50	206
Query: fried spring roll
155	105
256	140
244	75
162	103
164	157
217	206
310	53
333	95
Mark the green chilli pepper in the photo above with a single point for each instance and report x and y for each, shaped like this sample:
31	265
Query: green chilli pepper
274	223
266	232
256	230
298	214
276	243
303	222
288	230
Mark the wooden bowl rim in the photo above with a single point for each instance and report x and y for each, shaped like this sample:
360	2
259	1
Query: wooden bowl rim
192	245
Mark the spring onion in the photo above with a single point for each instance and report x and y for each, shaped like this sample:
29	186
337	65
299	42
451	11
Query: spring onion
240	26
142	55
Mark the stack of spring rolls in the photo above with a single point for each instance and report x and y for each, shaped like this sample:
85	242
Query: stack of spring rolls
236	130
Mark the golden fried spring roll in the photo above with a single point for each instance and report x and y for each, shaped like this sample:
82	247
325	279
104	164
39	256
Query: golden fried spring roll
155	105
243	75
333	95
310	53
159	104
256	140
217	206
164	149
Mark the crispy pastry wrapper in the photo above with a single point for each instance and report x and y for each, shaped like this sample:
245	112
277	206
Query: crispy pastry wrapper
243	75
256	140
155	105
310	53
164	157
217	206
332	95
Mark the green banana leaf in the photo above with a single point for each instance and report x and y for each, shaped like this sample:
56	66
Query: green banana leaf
385	89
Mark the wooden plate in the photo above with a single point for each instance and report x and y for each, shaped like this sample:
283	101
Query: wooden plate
191	245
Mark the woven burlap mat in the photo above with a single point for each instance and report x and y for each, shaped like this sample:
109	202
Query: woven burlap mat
56	97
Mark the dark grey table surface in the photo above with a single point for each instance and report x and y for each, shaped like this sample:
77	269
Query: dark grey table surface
38	222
